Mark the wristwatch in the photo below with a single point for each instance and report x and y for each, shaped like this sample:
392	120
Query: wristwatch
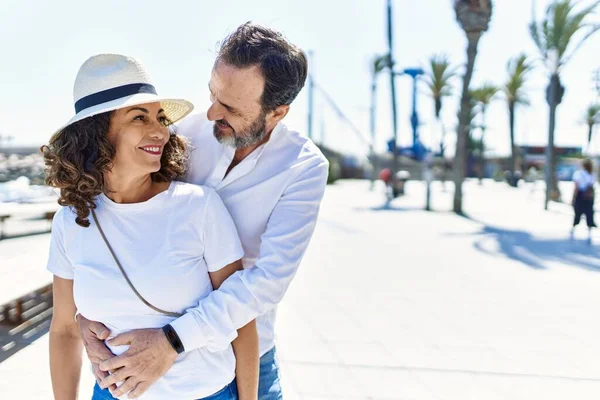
173	338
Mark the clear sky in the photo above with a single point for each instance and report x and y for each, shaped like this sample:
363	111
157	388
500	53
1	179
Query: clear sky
43	44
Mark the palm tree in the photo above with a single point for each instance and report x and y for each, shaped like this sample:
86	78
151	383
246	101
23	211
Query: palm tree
474	18
438	79
483	96
514	91
554	36
473	144
378	64
591	118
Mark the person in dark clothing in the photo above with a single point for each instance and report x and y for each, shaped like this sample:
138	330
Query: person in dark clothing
583	196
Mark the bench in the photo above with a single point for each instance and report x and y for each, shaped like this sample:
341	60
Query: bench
22	309
24	319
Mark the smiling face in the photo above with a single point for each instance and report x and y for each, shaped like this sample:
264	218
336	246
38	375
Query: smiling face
139	134
235	94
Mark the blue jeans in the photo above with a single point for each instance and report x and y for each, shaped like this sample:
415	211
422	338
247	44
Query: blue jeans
269	385
229	392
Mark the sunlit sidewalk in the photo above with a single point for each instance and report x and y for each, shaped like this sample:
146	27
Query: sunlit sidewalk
398	303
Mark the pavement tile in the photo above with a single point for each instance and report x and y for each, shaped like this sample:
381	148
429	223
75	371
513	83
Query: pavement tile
323	380
391	383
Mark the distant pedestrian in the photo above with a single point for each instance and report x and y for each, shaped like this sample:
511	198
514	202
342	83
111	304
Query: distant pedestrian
583	196
386	175
532	176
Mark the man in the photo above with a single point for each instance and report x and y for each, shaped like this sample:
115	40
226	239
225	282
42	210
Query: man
272	181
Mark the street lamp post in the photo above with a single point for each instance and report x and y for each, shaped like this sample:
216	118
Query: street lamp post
418	149
414	73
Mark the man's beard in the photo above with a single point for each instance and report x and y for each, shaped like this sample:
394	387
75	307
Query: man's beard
251	136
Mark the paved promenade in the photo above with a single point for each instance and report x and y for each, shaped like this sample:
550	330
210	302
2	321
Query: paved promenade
398	303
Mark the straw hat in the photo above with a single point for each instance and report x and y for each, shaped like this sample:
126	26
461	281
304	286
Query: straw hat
107	82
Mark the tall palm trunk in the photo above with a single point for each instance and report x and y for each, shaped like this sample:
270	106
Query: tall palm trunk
460	158
443	152
513	151
443	140
552	192
374	162
482	147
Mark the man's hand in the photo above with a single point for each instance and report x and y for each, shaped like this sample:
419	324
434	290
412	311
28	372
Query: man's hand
149	357
101	375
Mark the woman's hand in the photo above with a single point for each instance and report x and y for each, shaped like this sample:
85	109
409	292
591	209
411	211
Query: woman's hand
93	335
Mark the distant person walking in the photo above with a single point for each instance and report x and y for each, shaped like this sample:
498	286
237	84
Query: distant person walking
583	196
386	177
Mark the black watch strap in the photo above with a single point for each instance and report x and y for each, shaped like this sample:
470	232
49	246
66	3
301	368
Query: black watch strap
173	338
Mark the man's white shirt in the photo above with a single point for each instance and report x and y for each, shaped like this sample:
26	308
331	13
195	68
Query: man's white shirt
273	196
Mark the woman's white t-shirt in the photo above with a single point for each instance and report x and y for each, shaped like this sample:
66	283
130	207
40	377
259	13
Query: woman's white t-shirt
167	245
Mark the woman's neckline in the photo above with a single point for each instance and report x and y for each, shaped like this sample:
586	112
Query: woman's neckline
152	201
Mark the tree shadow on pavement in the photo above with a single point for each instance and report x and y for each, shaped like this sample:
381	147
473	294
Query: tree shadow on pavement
535	252
388	207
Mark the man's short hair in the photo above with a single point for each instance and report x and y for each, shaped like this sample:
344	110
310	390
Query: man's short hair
283	65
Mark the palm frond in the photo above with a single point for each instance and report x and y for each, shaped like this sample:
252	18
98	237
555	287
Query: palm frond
559	27
485	93
574	24
380	62
593	30
535	35
592	114
438	79
518	68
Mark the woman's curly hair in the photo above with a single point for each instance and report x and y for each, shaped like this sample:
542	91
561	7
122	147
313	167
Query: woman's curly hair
79	155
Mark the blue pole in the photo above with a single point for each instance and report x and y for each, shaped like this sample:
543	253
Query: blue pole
414	119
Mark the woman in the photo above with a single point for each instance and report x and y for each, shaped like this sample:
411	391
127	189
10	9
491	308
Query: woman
151	248
583	196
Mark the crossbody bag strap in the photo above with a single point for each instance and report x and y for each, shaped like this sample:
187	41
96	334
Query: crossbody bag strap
146	302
